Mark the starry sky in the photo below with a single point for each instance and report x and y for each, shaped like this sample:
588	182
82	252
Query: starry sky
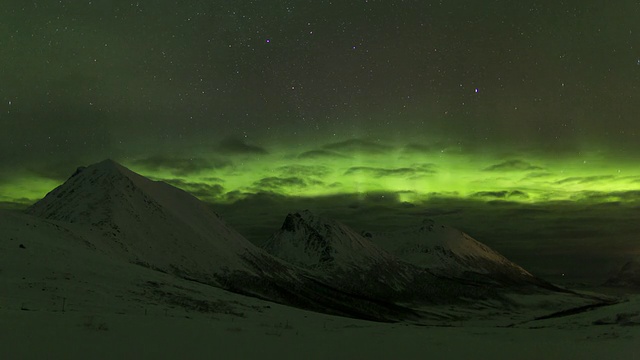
515	121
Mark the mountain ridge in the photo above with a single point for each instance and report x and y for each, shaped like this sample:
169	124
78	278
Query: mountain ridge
153	224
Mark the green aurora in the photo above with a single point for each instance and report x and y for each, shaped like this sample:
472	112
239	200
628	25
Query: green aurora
516	122
412	173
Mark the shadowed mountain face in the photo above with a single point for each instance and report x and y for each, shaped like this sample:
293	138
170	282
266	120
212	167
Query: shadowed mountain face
450	252
628	276
153	224
447	270
337	254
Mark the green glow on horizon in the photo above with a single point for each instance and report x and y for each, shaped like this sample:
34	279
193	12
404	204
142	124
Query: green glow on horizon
24	189
409	177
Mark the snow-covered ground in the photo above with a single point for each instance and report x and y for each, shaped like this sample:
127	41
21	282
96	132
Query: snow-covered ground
88	275
60	299
281	332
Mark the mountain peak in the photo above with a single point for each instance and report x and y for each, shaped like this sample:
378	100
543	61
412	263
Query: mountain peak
309	240
297	219
447	250
108	162
108	165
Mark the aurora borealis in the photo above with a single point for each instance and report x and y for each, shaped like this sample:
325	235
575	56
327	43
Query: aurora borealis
516	121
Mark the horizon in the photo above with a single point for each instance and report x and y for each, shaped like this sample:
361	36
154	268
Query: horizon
517	123
482	220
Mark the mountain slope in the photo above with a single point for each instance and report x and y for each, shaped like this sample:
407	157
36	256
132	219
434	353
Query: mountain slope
145	221
313	242
448	251
132	218
340	256
628	276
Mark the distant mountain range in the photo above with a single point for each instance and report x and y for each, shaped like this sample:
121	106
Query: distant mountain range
311	262
424	265
452	253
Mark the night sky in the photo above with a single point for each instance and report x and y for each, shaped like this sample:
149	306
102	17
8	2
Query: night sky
517	121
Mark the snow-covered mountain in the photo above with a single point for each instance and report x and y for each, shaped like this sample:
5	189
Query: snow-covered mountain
333	250
340	256
314	242
627	276
451	252
146	221
150	223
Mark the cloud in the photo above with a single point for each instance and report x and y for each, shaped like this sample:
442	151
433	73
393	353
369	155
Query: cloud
179	166
358	146
518	194
420	148
539	236
584	179
396	172
280	184
239	146
320	154
538	174
201	190
504	194
513	165
604	196
304	170
492	194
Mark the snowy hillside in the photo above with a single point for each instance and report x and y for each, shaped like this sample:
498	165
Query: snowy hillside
314	242
449	251
145	221
336	253
340	256
131	218
628	276
62	299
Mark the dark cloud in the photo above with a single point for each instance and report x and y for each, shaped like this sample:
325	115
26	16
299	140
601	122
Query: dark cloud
584	179
607	197
513	165
278	184
304	170
179	166
535	175
492	194
234	145
321	154
504	194
214	179
518	194
55	170
420	148
201	190
359	146
382	172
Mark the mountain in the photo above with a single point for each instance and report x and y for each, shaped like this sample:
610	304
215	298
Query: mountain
333	250
628	276
146	221
451	252
340	256
314	242
129	217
